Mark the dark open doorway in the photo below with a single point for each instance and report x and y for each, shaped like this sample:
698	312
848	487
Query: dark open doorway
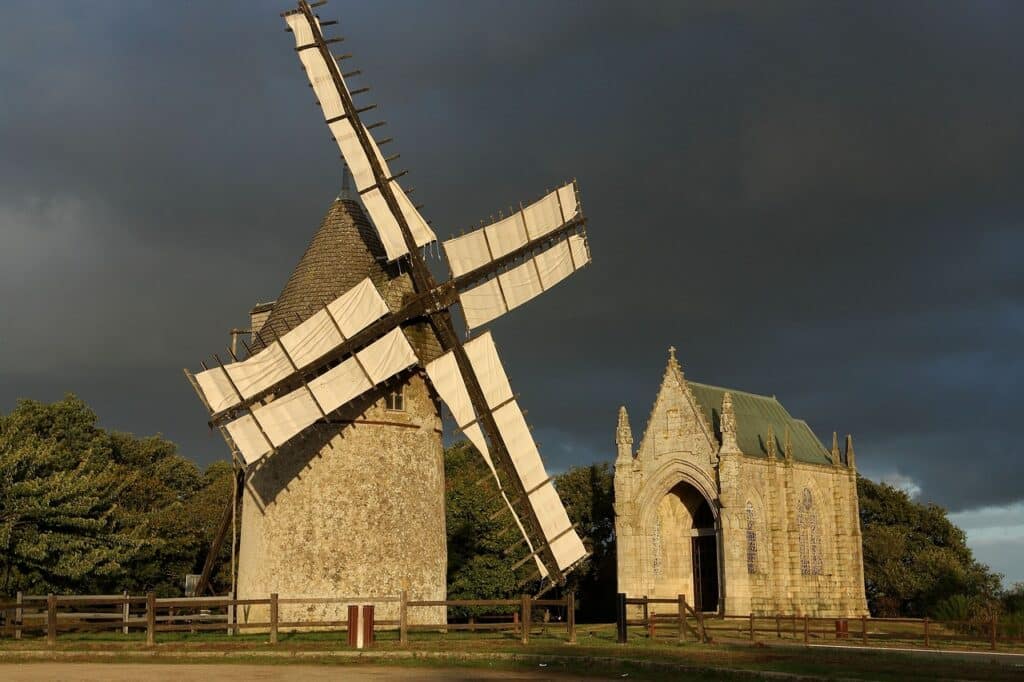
705	559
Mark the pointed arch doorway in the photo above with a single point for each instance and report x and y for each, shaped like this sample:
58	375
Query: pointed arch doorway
685	548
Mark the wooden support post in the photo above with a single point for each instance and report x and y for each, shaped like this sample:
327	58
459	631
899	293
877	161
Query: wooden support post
647	616
682	618
995	623
620	618
570	616
273	617
751	626
864	630
403	619
151	619
126	612
19	614
807	631
778	626
525	619
927	642
51	619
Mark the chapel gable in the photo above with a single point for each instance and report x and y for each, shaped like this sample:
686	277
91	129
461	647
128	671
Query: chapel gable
677	425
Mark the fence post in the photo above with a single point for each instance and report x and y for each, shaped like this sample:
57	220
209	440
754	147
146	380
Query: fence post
620	618
994	623
525	618
150	618
570	616
647	623
19	614
864	630
273	617
778	626
682	618
751	626
51	619
927	643
403	618
125	614
807	626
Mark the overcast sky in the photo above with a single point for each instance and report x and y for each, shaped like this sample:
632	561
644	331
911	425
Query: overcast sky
818	201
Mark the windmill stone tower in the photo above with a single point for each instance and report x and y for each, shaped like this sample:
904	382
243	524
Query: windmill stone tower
374	475
332	418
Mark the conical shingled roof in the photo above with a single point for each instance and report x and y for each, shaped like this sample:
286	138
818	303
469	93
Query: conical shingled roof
343	252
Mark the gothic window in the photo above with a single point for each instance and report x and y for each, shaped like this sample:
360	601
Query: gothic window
810	535
395	400
656	548
751	539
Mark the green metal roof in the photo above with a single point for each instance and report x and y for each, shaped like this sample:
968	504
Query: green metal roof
754	414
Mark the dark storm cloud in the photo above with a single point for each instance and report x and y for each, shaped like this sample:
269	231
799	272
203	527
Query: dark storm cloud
818	202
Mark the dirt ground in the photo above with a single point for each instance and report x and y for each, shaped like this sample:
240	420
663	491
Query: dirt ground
129	672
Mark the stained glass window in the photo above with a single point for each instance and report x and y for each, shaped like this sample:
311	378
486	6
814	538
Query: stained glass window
751	539
810	535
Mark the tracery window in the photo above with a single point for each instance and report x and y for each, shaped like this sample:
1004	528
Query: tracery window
810	535
751	539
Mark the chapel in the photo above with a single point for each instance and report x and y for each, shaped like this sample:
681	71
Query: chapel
736	505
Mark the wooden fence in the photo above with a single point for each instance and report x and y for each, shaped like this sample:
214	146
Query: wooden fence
861	630
53	615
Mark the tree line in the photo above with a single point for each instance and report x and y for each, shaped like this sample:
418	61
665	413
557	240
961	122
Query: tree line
88	510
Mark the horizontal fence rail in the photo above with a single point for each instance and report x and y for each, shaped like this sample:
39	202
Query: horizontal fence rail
51	615
657	622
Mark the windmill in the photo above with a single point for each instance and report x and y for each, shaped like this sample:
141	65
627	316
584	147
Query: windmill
302	375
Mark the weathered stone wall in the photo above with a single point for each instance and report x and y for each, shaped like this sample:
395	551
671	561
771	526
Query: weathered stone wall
352	510
679	446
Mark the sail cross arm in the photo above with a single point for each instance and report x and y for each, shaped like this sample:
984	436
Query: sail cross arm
557	532
479	247
288	415
339	112
306	344
510	289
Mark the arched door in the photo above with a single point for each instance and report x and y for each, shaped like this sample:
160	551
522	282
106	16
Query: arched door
685	548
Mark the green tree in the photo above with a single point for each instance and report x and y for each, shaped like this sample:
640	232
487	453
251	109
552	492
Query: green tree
914	558
58	525
480	530
87	510
588	494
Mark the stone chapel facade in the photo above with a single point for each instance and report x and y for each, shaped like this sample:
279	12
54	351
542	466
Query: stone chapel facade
735	504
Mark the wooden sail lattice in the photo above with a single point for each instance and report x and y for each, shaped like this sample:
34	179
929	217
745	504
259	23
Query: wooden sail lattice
355	344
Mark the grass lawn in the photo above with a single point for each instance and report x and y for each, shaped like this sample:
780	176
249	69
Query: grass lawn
595	653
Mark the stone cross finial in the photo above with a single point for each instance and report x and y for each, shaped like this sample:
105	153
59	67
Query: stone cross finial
623	432
850	457
673	363
728	425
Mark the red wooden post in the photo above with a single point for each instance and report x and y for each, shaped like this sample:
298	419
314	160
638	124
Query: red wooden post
368	625
647	616
751	626
927	641
807	626
51	619
353	624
